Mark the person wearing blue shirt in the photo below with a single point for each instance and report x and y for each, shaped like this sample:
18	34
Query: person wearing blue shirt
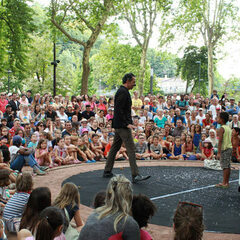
182	104
232	108
176	117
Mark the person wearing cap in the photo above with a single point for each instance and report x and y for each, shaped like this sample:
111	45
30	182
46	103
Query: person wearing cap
84	126
207	150
16	126
20	156
200	116
3	102
122	123
110	114
232	108
88	113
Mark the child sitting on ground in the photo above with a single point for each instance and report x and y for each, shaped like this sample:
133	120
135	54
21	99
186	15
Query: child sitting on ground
177	151
207	150
4	194
61	156
156	149
15	206
188	147
108	146
84	151
141	148
42	155
34	142
71	149
96	147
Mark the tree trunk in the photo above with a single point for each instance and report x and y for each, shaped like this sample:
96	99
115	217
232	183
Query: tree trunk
186	87
142	70
210	69
86	70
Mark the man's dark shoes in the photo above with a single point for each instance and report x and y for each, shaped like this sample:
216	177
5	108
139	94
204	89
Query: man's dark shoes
108	175
140	178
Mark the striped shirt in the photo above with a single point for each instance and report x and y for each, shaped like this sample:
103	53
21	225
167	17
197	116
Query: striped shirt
15	206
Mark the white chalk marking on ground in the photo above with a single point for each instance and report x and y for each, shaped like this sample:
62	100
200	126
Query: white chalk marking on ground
187	191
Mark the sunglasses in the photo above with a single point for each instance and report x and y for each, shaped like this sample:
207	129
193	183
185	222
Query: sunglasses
182	204
40	125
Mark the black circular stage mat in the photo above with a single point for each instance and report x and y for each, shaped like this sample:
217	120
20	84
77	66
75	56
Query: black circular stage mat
169	185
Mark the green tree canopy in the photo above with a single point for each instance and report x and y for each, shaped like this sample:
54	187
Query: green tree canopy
188	68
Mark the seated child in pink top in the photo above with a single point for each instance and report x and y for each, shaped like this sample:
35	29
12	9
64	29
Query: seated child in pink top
42	155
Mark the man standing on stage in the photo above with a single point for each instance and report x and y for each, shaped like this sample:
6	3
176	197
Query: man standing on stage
122	122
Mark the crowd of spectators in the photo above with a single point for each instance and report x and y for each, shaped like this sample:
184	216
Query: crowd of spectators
45	132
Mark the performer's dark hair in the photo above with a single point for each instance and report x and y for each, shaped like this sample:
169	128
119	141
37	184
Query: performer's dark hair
127	76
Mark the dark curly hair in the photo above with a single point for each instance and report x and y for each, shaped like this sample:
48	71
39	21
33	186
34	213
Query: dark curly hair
142	209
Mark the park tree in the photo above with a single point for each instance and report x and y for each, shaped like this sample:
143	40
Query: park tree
193	68
162	63
16	23
215	20
86	17
141	16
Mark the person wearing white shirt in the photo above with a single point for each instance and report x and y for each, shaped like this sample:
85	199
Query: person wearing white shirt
200	116
61	114
213	108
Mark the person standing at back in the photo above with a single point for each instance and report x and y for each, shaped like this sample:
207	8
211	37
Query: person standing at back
122	122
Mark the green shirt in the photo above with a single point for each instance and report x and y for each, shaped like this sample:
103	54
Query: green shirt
226	142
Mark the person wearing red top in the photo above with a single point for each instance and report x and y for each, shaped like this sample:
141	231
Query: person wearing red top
3	102
16	125
102	106
207	121
207	150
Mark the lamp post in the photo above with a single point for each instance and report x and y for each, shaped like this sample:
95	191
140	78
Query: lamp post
151	82
54	63
199	74
9	71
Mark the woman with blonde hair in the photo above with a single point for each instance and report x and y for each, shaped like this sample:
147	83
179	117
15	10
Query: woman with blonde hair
113	220
68	200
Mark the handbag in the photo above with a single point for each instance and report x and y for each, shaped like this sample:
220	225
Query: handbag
212	164
71	233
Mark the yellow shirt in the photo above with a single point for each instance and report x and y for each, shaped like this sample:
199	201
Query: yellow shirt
137	103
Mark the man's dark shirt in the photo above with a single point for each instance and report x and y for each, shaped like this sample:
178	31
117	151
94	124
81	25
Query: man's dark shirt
122	108
14	105
79	115
65	132
69	114
87	115
51	115
30	99
10	117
